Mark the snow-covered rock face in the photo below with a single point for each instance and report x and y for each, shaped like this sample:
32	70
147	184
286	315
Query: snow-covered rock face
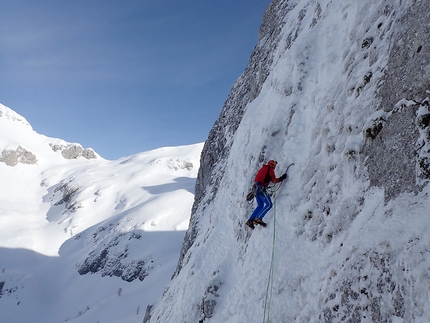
404	134
341	89
245	89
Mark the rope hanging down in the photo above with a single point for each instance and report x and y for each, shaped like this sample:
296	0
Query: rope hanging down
271	270
270	280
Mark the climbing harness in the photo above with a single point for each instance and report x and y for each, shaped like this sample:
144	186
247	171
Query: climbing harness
270	190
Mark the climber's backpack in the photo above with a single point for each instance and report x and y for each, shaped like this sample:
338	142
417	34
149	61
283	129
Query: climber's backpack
250	196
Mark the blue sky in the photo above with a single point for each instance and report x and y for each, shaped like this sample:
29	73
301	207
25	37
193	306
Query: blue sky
126	76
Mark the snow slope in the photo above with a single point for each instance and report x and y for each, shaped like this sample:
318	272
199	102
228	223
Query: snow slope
347	239
88	240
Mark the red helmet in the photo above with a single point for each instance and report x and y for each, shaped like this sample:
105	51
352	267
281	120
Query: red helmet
272	163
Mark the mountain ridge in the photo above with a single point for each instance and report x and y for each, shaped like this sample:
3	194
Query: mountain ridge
18	152
87	239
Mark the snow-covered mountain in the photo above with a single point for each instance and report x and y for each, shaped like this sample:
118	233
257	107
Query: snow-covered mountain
340	88
83	239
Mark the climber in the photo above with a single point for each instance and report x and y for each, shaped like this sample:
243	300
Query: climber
264	176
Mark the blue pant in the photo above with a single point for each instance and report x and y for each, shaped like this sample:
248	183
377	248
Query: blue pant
264	204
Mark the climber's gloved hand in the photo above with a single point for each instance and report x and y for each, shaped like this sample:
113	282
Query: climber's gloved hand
283	177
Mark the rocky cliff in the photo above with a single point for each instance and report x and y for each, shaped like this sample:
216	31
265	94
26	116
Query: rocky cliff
341	89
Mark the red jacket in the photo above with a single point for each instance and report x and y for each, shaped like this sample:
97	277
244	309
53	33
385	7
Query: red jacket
266	175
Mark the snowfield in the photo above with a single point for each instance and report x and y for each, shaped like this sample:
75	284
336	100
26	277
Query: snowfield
118	223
